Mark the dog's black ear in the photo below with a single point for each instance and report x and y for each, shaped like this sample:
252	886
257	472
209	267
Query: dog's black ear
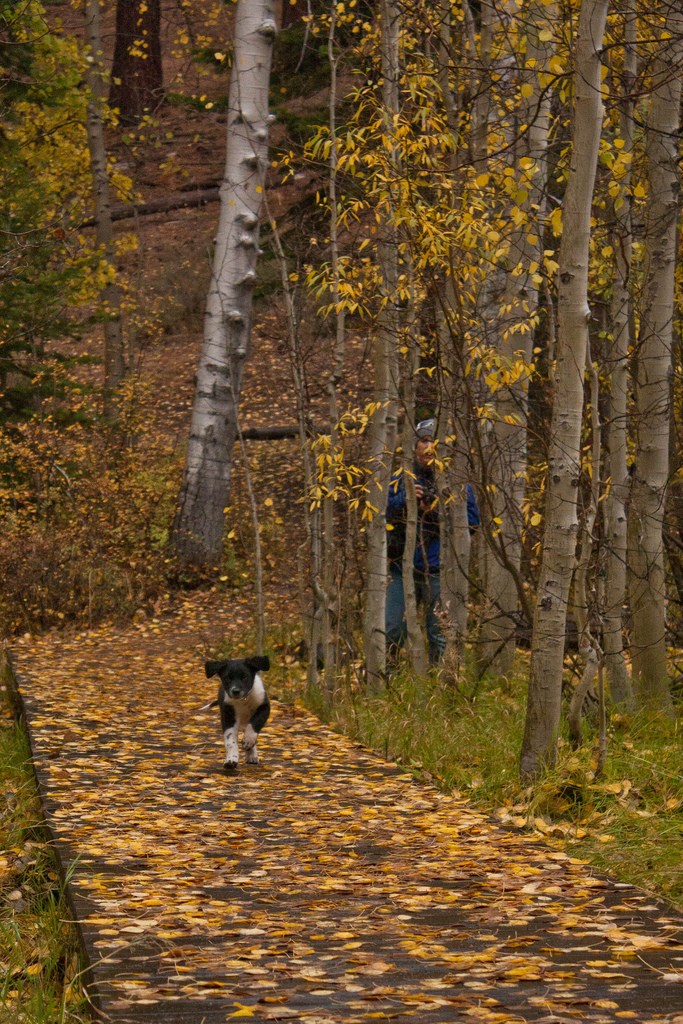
259	664
212	668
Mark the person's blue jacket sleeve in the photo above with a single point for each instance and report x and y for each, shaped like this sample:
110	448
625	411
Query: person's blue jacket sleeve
396	501
473	517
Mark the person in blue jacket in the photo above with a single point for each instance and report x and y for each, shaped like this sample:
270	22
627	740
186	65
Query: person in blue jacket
426	561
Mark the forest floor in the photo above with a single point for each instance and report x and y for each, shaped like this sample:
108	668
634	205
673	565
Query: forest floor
323	885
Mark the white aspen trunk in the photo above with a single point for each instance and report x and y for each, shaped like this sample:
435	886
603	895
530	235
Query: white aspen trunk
199	527
507	446
382	425
653	386
114	360
616	525
561	526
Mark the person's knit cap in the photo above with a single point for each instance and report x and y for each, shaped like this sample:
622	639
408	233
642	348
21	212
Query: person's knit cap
426	429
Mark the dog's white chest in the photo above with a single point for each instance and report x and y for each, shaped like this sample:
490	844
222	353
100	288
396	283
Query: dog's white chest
245	707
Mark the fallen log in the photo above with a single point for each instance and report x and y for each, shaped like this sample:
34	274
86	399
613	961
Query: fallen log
279	433
179	202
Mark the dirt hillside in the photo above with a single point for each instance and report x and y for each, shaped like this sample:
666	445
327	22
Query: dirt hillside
181	152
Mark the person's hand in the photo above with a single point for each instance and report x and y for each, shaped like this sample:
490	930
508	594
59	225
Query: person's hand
419	493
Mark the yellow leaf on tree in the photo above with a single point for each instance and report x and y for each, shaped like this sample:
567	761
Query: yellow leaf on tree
556	220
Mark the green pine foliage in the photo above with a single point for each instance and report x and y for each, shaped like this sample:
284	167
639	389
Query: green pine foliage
48	269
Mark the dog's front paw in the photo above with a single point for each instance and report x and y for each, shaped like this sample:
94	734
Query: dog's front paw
251	756
230	765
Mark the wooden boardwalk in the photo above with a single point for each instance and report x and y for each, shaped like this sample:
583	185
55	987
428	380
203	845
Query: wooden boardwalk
321	886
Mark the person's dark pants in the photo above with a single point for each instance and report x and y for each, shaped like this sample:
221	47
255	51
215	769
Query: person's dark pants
427	592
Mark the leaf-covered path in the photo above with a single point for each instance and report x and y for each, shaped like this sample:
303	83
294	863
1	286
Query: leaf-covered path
320	886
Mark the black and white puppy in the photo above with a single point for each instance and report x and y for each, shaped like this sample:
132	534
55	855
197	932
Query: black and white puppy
244	704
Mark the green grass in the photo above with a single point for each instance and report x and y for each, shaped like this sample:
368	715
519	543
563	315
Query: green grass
628	822
638	831
40	966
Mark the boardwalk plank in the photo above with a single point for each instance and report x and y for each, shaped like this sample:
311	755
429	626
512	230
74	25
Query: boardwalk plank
321	886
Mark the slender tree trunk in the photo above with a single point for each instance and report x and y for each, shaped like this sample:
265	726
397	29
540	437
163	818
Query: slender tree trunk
114	360
381	442
444	48
136	78
588	644
561	527
415	638
292	13
382	426
329	547
480	79
506	470
653	387
258	557
455	533
199	525
454	437
309	552
616	526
